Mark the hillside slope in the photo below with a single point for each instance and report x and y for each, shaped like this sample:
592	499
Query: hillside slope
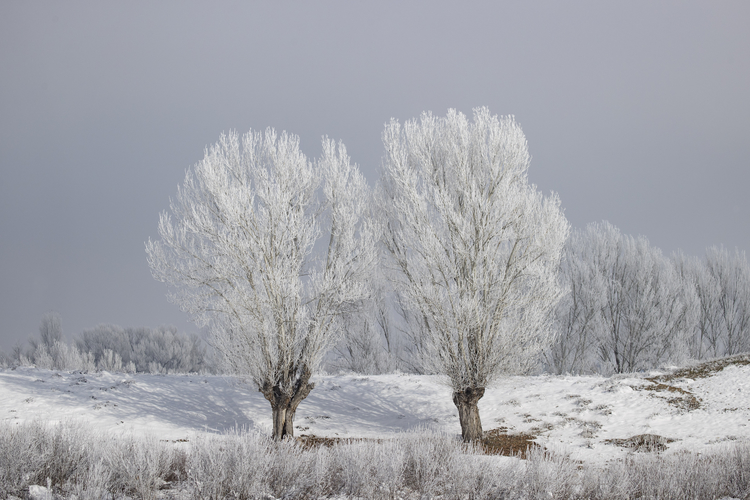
592	418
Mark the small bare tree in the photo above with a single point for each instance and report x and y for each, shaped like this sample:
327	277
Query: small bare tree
474	248
50	333
731	314
706	336
577	314
646	310
50	329
372	343
271	251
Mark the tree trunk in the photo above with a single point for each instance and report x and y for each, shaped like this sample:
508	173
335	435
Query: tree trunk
468	412
279	407
284	405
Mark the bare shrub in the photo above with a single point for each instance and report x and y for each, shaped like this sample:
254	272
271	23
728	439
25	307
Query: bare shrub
38	453
93	482
678	476
233	464
549	474
140	466
366	469
18	454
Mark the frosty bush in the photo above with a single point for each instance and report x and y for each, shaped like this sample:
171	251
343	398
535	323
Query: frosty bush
428	465
141	466
75	461
5	360
112	348
50	351
147	350
79	464
110	361
220	465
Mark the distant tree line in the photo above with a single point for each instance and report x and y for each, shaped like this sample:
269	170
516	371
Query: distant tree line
630	308
113	348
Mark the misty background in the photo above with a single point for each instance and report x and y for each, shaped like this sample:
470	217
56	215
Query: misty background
636	112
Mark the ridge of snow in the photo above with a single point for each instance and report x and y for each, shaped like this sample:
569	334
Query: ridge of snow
573	414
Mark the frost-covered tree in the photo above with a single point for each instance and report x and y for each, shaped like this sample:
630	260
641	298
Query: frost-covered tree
50	351
731	318
722	282
647	309
577	316
271	251
706	337
50	329
474	248
369	345
50	332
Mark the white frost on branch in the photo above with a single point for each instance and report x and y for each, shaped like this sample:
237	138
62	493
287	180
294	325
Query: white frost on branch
474	248
630	307
269	250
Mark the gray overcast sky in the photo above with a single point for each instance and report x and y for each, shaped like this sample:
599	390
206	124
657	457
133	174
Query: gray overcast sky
636	112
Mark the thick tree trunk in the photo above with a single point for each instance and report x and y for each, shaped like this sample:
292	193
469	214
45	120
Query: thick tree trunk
284	405
279	407
468	412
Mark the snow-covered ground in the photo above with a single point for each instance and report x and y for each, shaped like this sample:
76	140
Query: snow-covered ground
577	414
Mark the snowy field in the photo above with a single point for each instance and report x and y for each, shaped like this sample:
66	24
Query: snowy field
584	416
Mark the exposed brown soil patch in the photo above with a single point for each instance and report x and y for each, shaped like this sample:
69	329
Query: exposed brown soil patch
312	441
684	400
494	442
706	369
497	442
643	442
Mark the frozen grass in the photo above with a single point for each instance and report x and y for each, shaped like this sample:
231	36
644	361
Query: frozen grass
79	464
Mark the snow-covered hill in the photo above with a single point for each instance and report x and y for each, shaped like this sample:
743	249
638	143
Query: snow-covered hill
587	416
